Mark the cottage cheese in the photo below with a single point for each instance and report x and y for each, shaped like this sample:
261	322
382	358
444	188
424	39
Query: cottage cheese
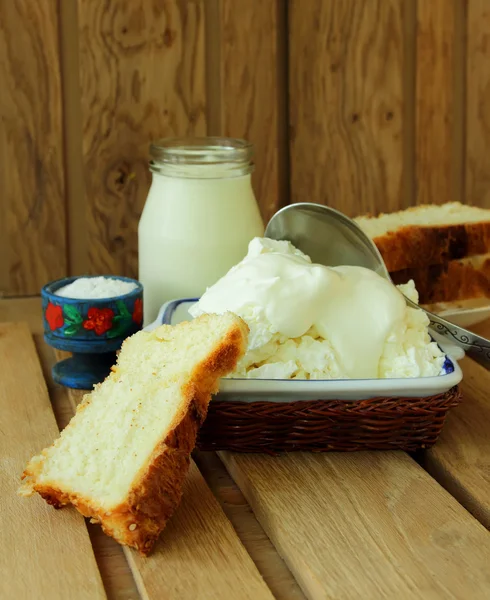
308	321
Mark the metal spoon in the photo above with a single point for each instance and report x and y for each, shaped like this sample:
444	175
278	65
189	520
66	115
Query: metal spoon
330	238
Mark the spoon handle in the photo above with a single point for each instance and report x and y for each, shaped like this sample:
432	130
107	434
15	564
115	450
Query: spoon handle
475	346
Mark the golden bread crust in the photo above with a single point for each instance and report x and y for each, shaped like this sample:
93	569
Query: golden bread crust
157	491
448	282
416	246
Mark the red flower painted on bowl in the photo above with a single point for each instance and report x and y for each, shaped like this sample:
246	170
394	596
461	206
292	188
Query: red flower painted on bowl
54	316
138	311
99	320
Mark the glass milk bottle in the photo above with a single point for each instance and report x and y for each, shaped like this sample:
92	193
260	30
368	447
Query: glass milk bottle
198	219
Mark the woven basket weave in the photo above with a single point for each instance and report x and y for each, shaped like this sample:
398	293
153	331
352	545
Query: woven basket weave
326	425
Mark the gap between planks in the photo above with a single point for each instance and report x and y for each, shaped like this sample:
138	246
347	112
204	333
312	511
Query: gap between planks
269	563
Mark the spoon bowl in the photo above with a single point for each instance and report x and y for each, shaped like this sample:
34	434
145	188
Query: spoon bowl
331	238
327	236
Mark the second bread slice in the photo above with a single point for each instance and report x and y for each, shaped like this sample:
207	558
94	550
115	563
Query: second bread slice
123	458
429	235
455	280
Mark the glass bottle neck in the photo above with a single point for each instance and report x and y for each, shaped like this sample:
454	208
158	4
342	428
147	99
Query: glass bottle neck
220	171
202	158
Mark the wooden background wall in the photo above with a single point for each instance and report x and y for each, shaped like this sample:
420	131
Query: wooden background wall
367	105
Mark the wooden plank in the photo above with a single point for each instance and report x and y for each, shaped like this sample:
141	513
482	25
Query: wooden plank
367	525
478	103
199	555
271	566
116	575
142	78
32	222
27	310
438	176
346	102
57	395
53	554
78	259
249	85
460	460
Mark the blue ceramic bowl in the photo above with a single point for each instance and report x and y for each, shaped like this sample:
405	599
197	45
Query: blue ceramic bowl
96	325
92	329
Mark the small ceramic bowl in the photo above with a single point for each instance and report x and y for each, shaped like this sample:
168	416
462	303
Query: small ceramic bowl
92	329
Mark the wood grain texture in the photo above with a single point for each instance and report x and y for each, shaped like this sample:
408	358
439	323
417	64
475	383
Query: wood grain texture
28	310
346	62
365	525
198	555
32	209
271	566
142	78
397	513
251	79
78	259
53	557
478	103
57	393
460	460
436	177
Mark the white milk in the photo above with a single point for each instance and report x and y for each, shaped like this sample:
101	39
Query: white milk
197	222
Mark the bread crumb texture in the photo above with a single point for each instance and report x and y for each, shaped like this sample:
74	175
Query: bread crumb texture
428	235
452	213
124	456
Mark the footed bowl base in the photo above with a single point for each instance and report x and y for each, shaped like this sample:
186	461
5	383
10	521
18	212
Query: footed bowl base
83	371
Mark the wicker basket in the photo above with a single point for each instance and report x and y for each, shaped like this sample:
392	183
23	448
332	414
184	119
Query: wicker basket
326	425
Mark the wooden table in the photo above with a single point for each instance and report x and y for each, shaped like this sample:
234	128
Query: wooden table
344	526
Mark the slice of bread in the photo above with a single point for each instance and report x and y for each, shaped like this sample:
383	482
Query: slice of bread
123	458
429	235
450	281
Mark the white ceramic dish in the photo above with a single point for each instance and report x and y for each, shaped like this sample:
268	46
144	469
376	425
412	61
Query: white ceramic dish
465	314
284	390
